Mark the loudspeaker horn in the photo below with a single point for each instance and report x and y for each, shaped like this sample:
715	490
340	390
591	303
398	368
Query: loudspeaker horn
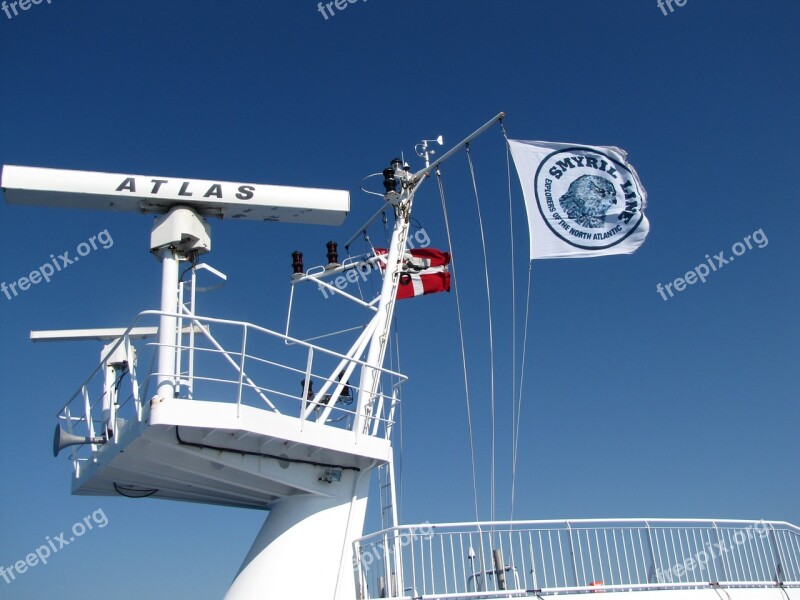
62	439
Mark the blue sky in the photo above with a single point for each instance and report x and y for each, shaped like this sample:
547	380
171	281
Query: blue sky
633	406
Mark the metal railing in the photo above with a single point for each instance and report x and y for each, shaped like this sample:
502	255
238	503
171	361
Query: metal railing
229	366
522	558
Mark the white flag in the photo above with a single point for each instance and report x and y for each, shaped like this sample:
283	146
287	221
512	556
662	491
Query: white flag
581	200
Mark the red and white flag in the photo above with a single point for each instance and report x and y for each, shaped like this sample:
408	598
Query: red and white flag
424	272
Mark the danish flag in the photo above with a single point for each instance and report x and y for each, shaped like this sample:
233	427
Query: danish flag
424	271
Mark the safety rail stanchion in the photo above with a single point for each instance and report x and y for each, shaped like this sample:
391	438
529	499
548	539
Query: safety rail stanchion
362	584
306	387
132	374
241	371
181	308
723	559
73	454
777	551
399	575
444	569
386	565
650	548
572	554
87	410
413	571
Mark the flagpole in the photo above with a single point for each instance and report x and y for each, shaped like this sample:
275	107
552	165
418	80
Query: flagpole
427	170
419	175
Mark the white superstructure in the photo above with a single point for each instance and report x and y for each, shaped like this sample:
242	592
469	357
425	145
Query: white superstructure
189	407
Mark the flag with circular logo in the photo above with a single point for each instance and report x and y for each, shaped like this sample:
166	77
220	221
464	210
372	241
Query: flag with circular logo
581	200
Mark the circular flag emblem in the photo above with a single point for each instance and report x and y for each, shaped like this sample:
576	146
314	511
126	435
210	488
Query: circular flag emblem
587	198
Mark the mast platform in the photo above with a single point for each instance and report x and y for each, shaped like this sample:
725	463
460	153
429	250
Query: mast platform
200	451
270	438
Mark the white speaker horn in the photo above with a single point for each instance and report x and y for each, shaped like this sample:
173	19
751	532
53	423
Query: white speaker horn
62	439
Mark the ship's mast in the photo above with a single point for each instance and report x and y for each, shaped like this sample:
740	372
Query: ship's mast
271	450
401	186
400	195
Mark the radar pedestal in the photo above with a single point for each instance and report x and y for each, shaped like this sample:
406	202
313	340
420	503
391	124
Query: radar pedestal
181	234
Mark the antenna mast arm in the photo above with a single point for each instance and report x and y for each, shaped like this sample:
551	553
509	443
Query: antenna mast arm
427	170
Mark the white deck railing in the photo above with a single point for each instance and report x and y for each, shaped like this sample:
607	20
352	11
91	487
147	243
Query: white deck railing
515	559
226	361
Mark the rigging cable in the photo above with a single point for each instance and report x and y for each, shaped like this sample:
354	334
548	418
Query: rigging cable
517	408
463	350
519	400
491	331
350	259
513	325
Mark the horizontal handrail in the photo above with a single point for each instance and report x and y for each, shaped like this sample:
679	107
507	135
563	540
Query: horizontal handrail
622	520
231	354
289	339
549	557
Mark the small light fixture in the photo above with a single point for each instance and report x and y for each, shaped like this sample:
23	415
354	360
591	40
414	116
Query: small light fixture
297	262
331	474
333	253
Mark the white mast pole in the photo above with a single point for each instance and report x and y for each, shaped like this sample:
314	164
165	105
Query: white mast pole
168	325
402	202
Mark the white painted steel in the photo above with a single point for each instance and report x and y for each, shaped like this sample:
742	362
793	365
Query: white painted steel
59	188
168	324
108	334
150	456
305	545
382	322
582	556
262	380
288	454
419	175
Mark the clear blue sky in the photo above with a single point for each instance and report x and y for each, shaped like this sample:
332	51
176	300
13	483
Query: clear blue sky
633	406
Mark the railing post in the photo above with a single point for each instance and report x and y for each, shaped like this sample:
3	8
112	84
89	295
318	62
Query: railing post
652	554
722	554
572	553
179	340
361	582
87	411
398	578
241	370
499	569
73	451
778	554
190	361
137	401
306	387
